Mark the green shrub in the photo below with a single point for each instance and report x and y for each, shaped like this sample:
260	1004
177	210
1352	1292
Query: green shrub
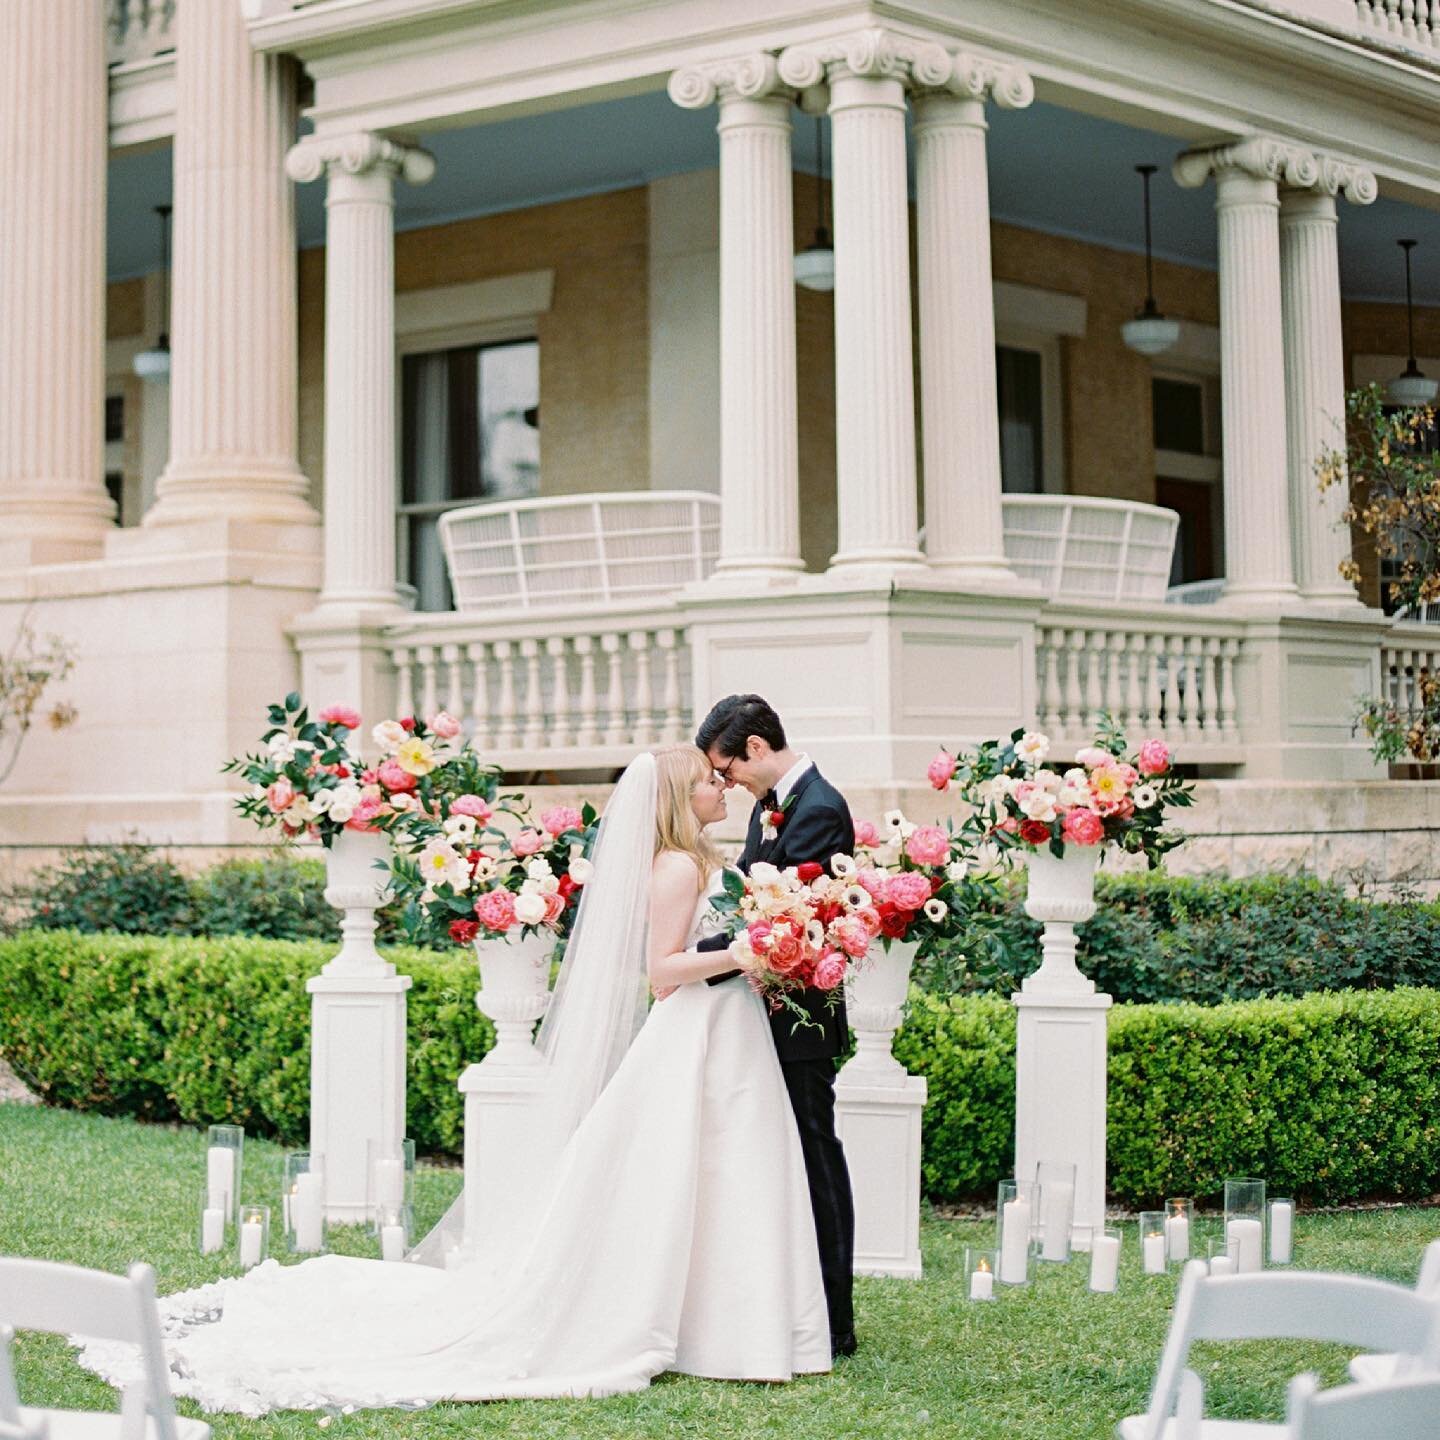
127	889
279	897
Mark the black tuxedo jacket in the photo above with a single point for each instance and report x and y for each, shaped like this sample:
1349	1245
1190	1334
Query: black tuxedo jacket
817	826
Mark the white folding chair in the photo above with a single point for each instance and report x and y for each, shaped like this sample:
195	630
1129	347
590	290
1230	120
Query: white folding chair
1404	1409
66	1299
1296	1305
1376	1369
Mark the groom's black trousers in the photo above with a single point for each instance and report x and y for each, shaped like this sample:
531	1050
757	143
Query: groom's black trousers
811	1084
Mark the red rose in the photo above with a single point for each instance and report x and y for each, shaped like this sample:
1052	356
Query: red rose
777	819
567	888
1034	832
462	932
809	871
894	922
407	722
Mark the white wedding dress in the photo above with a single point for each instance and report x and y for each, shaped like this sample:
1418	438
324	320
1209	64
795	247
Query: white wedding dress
678	1236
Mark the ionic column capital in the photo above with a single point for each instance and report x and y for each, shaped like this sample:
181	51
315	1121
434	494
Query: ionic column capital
1289	165
743	77
360	153
978	77
872	54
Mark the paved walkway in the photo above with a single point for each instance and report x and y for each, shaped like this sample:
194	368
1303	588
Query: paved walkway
11	1088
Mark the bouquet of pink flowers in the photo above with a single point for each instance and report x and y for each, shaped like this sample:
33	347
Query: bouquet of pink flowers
1108	794
796	929
311	779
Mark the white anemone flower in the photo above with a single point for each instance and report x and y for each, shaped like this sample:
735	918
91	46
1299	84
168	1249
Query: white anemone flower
857	897
1144	796
936	910
839	864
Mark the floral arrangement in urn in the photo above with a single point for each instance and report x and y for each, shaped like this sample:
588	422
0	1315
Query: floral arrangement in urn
1108	794
311	780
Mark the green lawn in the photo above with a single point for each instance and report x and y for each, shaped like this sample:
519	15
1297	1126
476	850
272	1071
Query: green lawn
1051	1362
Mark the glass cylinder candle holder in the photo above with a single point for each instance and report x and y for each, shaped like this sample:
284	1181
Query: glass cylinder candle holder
1017	1207
224	1151
1245	1220
394	1229
1179	1229
1056	1184
1282	1230
389	1178
1224	1256
303	1203
1152	1241
1105	1247
980	1273
213	1222
253	1231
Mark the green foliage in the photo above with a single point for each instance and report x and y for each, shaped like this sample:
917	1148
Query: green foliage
1331	1097
129	889
279	897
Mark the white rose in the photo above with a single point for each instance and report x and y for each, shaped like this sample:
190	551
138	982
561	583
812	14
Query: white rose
402	801
1073	797
581	870
529	908
538	869
341	814
1039	806
1049	780
548	885
1076	775
322	802
389	735
764	876
936	910
301	809
956	871
1032	747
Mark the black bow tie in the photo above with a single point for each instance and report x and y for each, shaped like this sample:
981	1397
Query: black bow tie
769	801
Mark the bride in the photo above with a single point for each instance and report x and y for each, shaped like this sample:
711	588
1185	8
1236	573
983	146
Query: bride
674	1225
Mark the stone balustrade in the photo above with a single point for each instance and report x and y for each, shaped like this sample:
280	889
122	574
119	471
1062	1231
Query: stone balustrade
138	29
1410	652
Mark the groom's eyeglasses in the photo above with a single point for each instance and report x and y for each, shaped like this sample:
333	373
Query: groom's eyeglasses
723	776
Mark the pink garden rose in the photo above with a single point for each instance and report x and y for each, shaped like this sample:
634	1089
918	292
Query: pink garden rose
554	907
345	715
866	834
280	795
1082	827
365	811
853	936
394	778
928	845
561	818
829	972
942	770
527	842
472	805
443	725
870	919
495	910
907	890
1154	757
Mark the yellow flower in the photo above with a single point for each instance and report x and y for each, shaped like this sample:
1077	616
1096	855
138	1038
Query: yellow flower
415	756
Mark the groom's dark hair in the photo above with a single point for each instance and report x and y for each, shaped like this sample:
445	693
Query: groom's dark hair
733	720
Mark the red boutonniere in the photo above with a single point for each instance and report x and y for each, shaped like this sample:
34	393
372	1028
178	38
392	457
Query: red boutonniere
774	819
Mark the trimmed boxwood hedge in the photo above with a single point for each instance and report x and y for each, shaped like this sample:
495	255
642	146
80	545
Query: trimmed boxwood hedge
1333	1097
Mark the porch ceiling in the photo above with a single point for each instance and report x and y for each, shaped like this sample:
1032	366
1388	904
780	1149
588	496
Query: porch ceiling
1051	169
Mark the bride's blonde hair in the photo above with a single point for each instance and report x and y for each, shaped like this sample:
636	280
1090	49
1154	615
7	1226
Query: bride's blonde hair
678	770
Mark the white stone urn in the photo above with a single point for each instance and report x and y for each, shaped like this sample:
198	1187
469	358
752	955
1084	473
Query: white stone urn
514	992
1060	894
875	992
356	887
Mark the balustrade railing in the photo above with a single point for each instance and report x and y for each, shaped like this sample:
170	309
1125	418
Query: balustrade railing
1172	676
1415	22
1409	655
138	29
564	692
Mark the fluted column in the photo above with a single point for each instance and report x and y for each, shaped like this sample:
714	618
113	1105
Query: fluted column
233	379
759	460
360	173
1258	565
874	378
964	533
53	148
1315	374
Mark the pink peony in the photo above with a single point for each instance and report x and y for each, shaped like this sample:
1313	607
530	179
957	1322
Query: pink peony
928	845
344	715
471	805
394	778
852	936
942	770
443	725
829	972
367	810
369	777
866	834
495	910
873	881
1154	757
280	795
1082	827
561	818
527	842
907	890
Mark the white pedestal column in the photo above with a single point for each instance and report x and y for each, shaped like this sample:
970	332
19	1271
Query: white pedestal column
54	126
233	384
1315	376
759	462
964	533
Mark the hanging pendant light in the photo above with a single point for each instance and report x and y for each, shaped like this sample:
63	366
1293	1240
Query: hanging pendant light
815	265
1412	388
154	364
1150	332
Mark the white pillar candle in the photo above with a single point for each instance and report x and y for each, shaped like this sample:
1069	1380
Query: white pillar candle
212	1230
1282	1217
1104	1263
306	1212
1246	1233
220	1178
1221	1265
389	1183
1056	1204
982	1283
251	1238
392	1242
1015	1242
1153	1252
1177	1236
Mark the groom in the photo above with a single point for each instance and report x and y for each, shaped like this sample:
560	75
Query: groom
799	817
